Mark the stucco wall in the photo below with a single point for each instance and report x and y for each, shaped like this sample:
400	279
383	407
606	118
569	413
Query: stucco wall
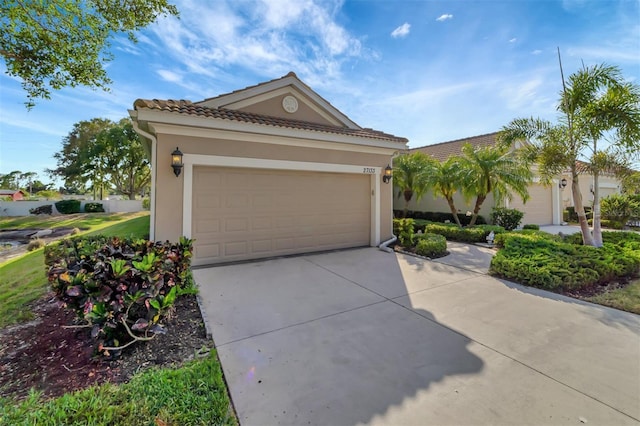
608	185
169	197
21	208
430	204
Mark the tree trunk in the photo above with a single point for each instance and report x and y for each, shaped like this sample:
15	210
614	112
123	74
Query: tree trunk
597	228
587	238
408	194
479	200
454	212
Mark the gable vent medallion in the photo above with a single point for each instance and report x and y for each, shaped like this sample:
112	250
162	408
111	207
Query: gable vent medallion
290	104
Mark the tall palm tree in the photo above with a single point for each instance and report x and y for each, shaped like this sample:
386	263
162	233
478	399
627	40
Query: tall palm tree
493	170
444	181
410	176
596	105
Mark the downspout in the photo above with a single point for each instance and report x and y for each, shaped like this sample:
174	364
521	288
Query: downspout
152	196
385	245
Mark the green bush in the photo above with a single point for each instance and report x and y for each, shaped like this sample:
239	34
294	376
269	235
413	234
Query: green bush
619	208
403	228
119	287
46	209
431	245
468	234
612	237
94	208
509	219
146	204
531	226
536	260
68	206
440	217
35	244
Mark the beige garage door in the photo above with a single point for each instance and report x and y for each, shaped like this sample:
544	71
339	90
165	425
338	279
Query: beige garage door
538	209
241	214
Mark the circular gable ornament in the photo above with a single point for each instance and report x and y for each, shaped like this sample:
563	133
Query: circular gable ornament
290	104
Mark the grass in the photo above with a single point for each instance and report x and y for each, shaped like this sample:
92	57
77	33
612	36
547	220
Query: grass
23	280
194	394
625	299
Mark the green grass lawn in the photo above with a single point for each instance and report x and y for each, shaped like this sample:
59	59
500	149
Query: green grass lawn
23	279
626	299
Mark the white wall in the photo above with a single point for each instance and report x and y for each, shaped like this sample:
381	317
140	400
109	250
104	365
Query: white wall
21	208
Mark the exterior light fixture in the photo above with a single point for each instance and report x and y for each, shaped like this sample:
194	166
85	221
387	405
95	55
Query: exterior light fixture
563	183
388	174
176	161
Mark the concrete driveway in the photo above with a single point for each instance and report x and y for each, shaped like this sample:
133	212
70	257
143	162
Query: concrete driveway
367	337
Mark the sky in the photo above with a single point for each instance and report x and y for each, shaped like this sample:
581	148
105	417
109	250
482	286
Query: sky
430	71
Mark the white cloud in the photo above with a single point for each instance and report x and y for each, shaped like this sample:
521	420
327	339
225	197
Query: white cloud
513	40
444	17
170	76
536	52
401	31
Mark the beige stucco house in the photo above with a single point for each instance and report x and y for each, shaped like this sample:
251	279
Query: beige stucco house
546	202
269	170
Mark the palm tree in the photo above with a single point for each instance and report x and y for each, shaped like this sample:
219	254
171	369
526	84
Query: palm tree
444	181
596	105
493	170
410	176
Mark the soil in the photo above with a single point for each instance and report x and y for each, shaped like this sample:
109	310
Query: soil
44	355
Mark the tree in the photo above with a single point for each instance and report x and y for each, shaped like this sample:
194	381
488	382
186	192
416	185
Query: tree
410	176
100	154
493	170
596	105
59	43
122	154
10	180
444	181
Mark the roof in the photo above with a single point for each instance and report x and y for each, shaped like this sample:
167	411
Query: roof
185	107
443	150
10	191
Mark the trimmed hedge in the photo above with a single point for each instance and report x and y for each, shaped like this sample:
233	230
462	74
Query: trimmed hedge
94	208
509	219
431	245
531	226
68	206
536	260
440	217
468	234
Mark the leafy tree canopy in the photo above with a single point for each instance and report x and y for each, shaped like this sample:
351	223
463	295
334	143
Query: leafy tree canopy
51	44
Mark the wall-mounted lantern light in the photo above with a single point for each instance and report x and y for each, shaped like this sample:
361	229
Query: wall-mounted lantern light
176	162
388	174
563	183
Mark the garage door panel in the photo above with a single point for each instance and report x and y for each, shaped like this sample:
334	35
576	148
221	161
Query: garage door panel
259	213
538	209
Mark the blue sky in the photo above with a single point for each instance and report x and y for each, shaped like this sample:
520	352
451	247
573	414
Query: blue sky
431	71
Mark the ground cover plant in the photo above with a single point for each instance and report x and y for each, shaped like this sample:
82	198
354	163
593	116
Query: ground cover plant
425	244
538	259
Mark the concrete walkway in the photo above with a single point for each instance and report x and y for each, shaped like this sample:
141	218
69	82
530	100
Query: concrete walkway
367	337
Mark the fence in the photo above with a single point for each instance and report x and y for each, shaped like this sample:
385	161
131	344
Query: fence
21	208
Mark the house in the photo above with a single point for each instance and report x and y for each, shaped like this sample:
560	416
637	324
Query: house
269	170
15	194
545	204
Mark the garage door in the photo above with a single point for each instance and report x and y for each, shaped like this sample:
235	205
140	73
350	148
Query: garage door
538	209
241	214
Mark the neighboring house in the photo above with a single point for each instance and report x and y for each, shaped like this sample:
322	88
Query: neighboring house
16	195
269	170
545	204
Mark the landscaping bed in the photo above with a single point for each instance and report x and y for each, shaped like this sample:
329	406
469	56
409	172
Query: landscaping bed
44	355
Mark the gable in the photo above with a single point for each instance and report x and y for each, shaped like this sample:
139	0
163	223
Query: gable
287	98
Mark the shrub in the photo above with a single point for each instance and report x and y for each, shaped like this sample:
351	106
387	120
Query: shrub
431	245
469	234
46	209
68	206
120	288
94	208
607	237
440	217
35	244
146	204
509	219
542	262
403	228
619	208
48	195
531	226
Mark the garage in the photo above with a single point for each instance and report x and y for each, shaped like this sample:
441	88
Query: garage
242	214
269	170
538	209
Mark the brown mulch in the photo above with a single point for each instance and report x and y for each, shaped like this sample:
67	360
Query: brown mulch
44	355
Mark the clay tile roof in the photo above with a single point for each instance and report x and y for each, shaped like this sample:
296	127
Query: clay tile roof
442	151
189	108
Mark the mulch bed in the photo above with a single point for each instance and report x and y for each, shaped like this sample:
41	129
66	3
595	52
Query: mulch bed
44	355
